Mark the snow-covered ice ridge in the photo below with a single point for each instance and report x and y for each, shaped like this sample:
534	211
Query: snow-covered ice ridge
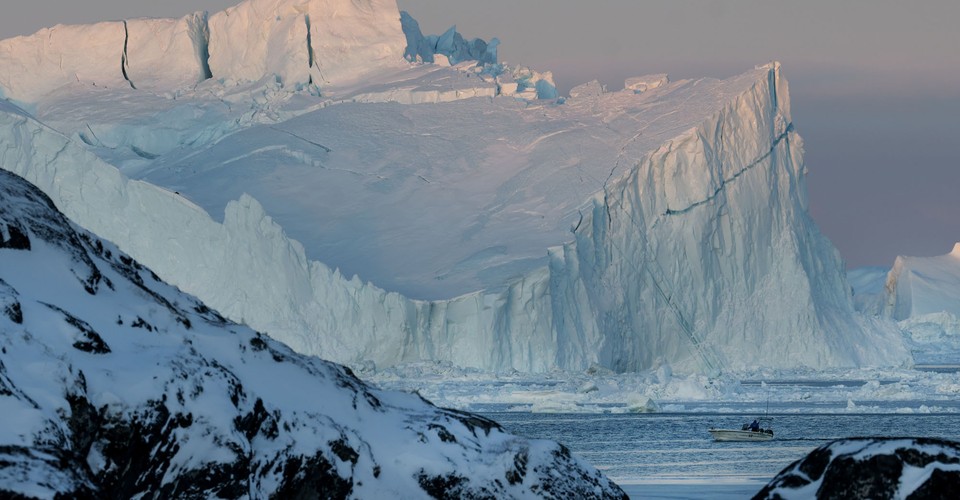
114	384
666	222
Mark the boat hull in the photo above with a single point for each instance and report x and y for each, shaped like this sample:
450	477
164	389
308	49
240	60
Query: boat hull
738	435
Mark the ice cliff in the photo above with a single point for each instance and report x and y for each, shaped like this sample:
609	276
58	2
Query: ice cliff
917	286
114	384
664	222
871	468
301	43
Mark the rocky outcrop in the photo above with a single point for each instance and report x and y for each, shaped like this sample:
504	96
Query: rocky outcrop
114	384
913	468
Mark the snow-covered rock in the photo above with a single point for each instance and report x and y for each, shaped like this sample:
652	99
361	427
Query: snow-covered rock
315	41
872	468
613	230
114	384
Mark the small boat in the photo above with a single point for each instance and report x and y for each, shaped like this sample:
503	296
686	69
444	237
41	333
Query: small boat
737	435
749	432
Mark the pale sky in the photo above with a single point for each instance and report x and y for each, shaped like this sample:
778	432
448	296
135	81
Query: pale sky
875	84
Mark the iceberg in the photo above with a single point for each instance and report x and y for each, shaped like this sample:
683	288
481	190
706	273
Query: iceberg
424	213
922	294
917	286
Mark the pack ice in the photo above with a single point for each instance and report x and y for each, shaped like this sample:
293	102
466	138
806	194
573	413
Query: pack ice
302	168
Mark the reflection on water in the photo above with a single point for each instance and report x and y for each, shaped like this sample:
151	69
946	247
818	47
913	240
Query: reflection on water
657	448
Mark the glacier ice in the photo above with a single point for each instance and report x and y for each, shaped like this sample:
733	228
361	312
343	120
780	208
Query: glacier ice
924	285
614	229
319	41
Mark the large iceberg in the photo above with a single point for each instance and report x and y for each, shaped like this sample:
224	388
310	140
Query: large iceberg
666	223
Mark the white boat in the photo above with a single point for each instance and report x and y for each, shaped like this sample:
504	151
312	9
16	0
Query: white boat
749	432
738	435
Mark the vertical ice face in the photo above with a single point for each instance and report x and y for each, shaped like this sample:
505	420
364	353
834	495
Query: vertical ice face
32	66
704	253
299	42
167	54
318	41
146	54
451	45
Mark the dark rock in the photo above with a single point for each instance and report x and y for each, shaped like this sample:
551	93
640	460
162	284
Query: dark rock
14	237
312	477
9	303
872	468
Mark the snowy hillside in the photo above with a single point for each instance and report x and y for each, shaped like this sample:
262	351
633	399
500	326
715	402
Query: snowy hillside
114	384
395	212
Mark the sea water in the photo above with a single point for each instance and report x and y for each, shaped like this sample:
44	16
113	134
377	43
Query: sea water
671	455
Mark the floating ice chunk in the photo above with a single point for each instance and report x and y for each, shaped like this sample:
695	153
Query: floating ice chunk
640	84
642	405
592	88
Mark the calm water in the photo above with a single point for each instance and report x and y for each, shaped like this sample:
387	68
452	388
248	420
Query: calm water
658	455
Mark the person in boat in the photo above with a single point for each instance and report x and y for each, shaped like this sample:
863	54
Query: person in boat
755	425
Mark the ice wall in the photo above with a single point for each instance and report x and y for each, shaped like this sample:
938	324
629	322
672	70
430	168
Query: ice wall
918	286
318	41
32	66
702	255
301	42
